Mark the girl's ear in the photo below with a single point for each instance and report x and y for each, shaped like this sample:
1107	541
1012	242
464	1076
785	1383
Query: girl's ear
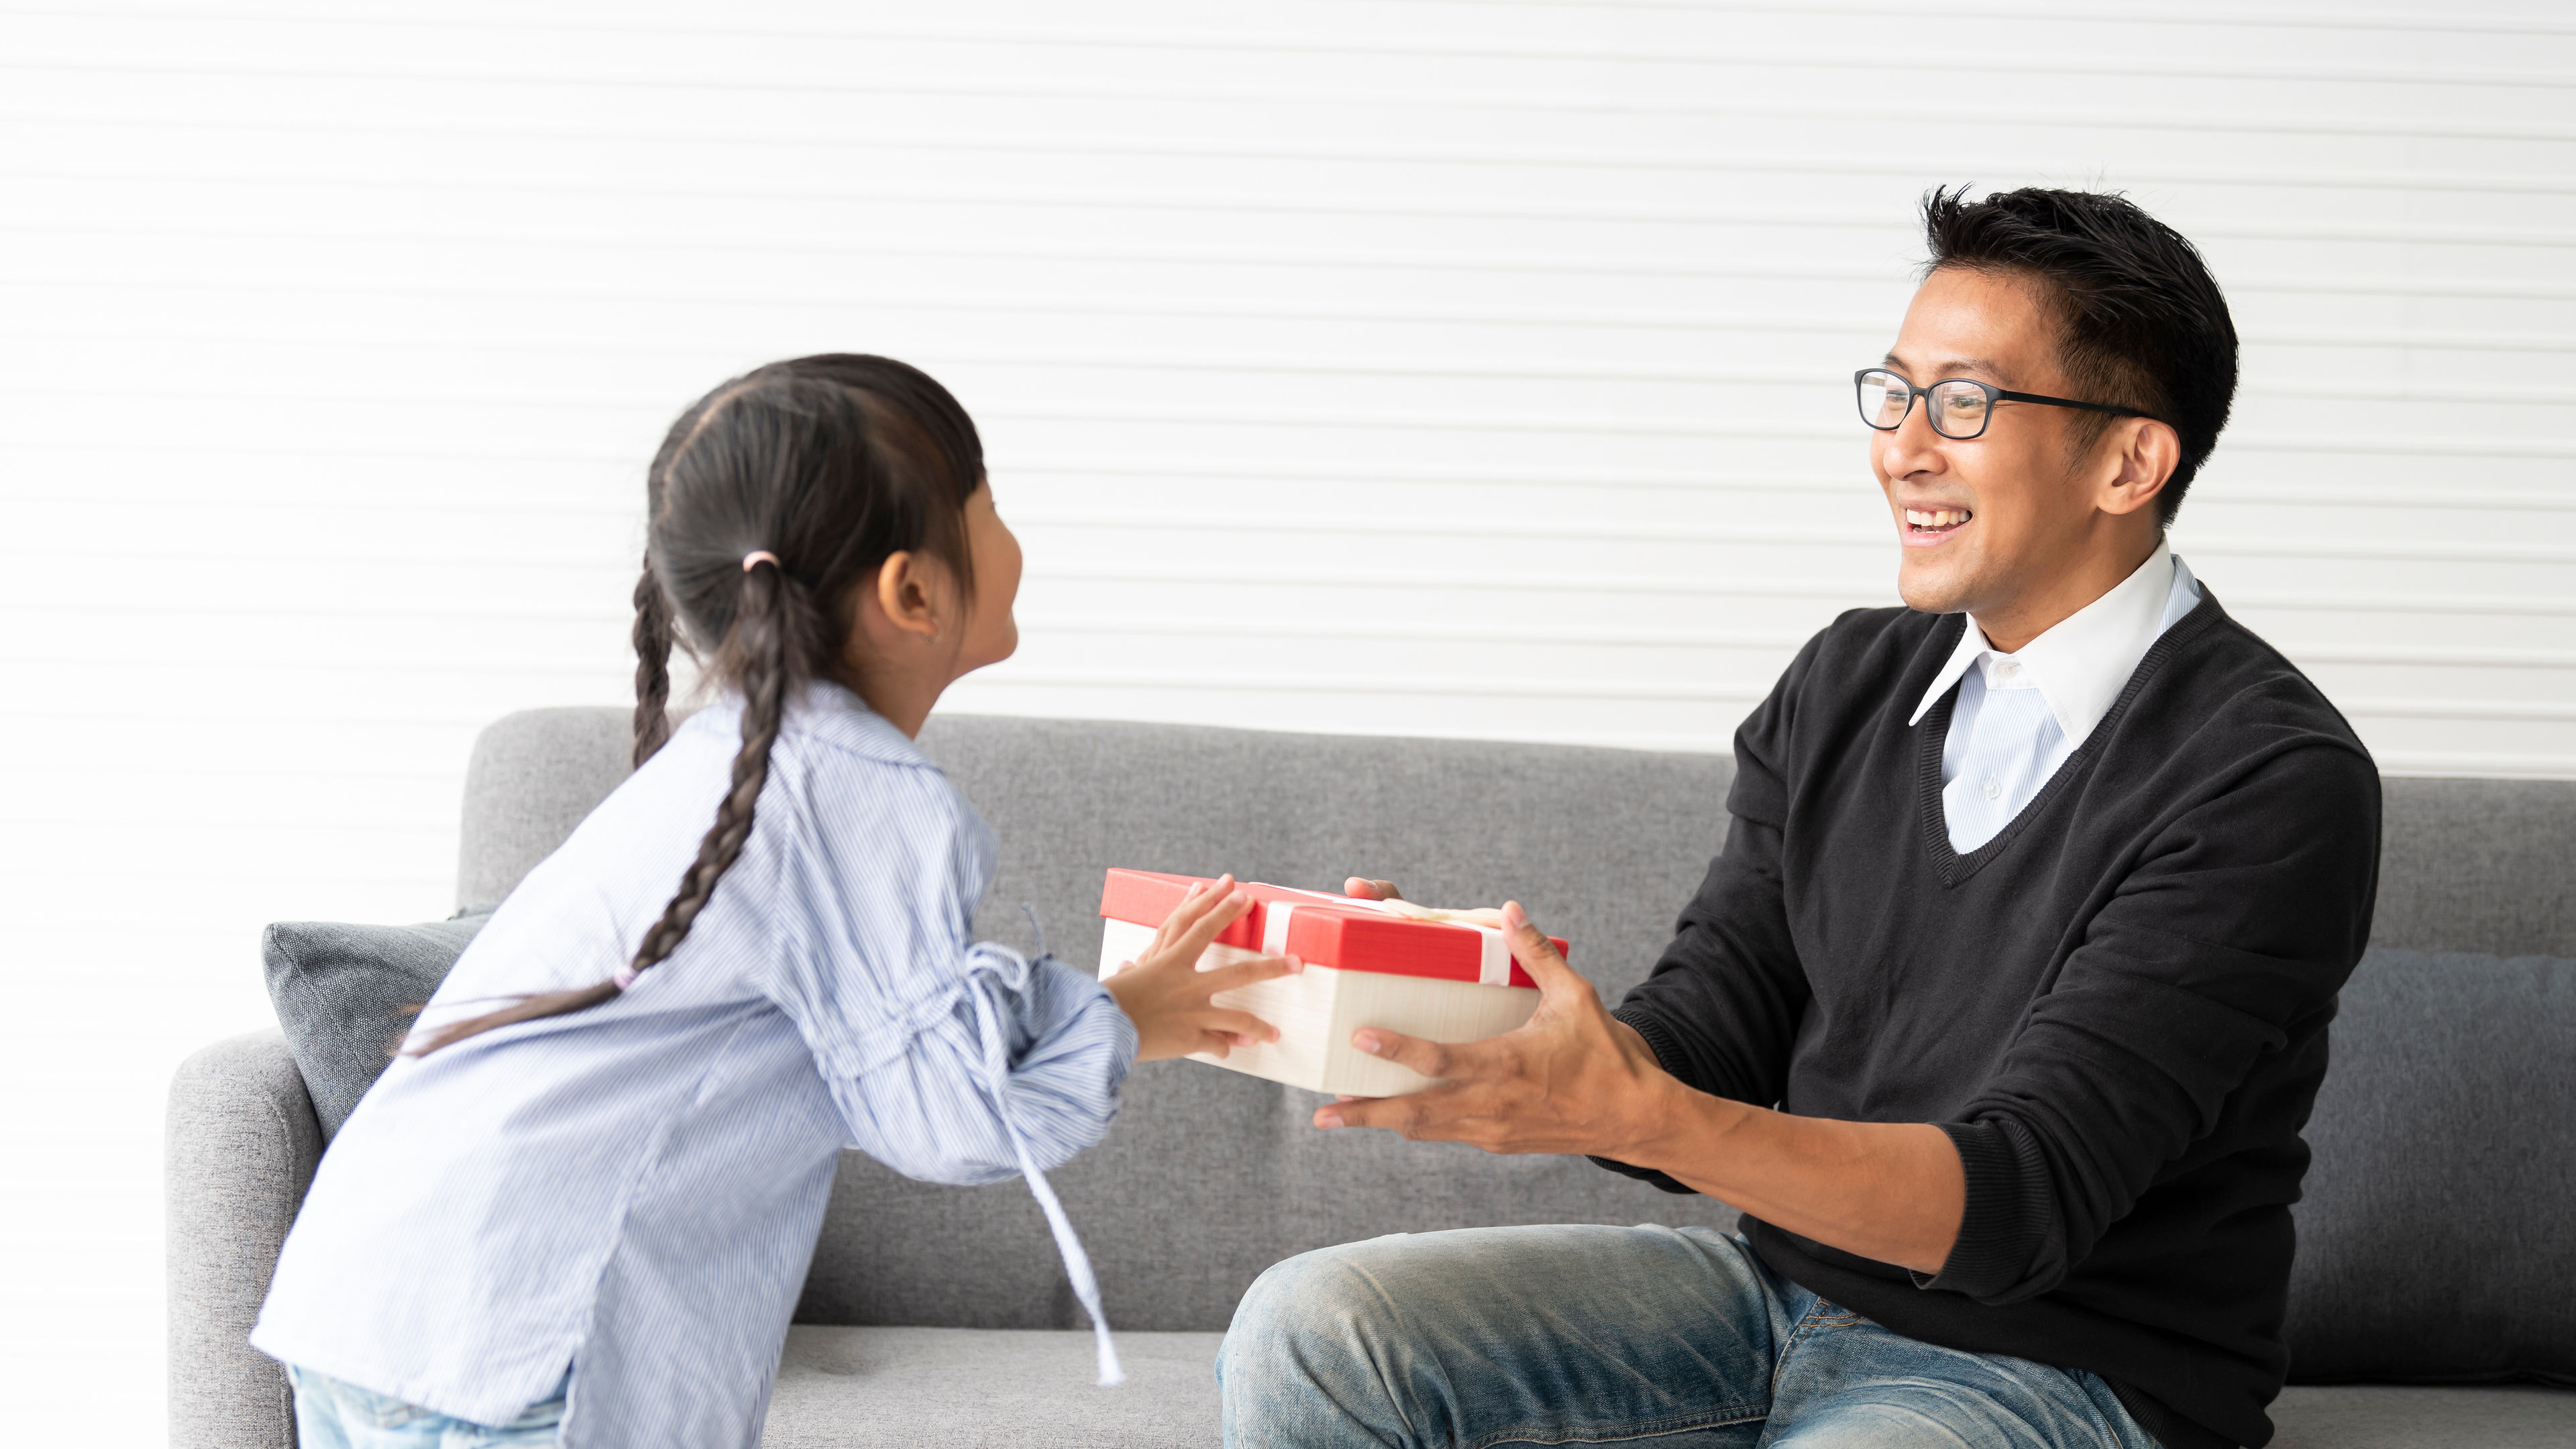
909	596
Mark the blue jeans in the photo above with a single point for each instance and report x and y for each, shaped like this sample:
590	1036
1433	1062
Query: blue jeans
330	1414
1577	1335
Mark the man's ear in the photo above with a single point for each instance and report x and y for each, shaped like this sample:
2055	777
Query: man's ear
2143	454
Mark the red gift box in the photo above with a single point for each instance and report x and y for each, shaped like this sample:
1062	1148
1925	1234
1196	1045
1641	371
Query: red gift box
1327	930
1367	963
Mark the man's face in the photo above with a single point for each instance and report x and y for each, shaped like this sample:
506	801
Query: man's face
1986	521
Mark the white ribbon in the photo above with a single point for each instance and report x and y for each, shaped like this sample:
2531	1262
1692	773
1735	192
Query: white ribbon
1493	964
996	1039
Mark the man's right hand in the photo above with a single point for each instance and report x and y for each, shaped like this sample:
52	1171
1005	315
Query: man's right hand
1360	887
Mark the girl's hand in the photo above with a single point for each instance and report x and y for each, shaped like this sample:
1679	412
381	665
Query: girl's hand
1166	994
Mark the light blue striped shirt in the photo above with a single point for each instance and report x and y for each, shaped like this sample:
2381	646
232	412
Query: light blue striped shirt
633	1192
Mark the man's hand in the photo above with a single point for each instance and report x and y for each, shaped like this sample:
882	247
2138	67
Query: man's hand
1577	1079
1570	1080
1166	994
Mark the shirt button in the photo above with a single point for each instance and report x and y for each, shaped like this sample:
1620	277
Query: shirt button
2006	669
1993	790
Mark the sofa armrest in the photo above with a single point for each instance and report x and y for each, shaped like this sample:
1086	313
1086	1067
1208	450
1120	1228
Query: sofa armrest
238	1150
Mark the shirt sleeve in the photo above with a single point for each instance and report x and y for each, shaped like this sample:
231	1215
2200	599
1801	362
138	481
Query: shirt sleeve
1722	1006
2235	930
1031	1046
944	1055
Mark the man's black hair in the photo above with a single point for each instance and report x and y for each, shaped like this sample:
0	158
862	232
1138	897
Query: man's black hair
2142	323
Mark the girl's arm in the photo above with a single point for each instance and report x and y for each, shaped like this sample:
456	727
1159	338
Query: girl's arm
1041	1048
1030	1049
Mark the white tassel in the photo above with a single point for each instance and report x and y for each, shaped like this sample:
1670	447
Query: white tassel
1077	1263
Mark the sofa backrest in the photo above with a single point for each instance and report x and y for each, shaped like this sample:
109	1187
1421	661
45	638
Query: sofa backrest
533	776
2477	865
1209	1176
2465	865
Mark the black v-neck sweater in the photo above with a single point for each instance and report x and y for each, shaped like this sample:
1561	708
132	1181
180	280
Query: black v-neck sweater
2116	1008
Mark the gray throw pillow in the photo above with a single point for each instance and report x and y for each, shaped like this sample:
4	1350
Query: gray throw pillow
2434	1238
345	996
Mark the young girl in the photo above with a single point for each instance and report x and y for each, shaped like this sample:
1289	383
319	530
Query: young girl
584	1217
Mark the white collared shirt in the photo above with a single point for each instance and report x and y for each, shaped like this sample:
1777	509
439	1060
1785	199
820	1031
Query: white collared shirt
2020	715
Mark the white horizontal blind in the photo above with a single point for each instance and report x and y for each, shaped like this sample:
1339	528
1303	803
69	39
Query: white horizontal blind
1410	366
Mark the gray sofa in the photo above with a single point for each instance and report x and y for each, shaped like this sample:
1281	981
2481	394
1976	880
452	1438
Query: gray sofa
939	1316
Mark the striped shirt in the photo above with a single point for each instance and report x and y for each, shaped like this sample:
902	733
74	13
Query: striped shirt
633	1192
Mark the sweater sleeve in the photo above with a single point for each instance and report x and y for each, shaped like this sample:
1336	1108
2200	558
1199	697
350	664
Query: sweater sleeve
1721	1008
2237	924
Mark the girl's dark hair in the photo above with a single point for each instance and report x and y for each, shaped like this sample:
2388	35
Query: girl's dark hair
833	464
2142	323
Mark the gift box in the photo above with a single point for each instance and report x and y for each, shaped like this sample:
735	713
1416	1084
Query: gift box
1445	976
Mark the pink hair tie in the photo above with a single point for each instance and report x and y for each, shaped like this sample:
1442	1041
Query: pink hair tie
625	977
758	554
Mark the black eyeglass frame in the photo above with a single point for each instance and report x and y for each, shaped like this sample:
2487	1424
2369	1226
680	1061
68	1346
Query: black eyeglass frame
1993	394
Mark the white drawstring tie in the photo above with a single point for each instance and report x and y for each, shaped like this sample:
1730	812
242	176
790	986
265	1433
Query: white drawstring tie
1077	1263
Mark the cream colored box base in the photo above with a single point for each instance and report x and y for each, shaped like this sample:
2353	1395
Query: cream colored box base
1317	1009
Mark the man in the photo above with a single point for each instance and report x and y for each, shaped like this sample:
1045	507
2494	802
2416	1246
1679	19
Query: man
2000	1013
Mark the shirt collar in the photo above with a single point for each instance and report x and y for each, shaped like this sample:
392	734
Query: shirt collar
829	712
2080	663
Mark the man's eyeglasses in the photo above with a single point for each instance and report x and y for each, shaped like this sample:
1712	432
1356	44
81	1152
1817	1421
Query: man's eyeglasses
1958	409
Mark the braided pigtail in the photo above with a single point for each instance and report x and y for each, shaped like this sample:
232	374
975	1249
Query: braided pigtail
765	636
768	631
652	665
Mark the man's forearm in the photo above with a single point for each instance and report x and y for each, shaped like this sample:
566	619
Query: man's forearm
1885	1190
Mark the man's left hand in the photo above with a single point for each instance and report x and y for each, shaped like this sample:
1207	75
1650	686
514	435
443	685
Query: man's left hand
1573	1079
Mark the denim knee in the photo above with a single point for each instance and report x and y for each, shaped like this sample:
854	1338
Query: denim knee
1312	1356
1307	1312
1314	1294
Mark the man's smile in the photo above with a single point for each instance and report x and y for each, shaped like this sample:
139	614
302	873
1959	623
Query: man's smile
1925	527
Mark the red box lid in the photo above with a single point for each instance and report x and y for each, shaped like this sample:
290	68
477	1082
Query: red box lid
1349	937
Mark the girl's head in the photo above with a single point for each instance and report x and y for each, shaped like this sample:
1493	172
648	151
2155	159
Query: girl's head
865	480
824	518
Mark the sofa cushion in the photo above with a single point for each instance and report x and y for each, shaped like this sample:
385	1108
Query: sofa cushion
2433	1242
958	1388
344	995
2375	1416
947	1388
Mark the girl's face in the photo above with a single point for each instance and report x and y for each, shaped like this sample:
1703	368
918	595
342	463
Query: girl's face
991	634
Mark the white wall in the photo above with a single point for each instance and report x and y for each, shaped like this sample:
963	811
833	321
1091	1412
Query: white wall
1422	366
